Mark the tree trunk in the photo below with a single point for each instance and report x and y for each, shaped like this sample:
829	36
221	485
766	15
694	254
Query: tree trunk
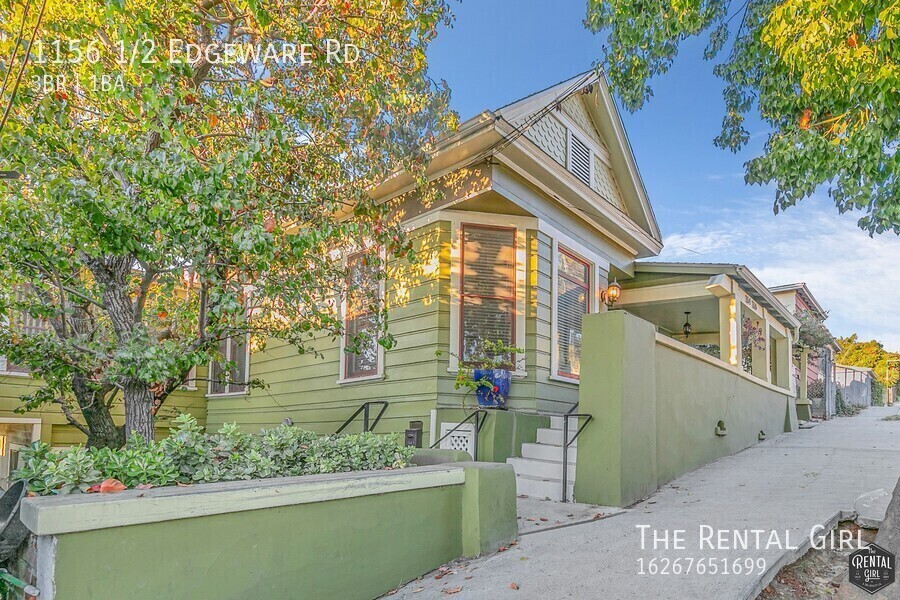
138	410
102	430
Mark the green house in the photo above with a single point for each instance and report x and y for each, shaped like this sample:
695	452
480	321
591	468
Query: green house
541	206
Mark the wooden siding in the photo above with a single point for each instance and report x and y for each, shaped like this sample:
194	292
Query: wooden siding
305	388
56	430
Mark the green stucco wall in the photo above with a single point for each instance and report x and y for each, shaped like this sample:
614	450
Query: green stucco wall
354	548
503	432
656	408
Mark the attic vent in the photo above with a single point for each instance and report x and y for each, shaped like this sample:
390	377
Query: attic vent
580	159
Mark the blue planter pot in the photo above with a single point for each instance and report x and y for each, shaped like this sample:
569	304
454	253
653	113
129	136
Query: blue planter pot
495	395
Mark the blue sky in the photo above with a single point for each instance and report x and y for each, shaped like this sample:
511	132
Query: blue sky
500	50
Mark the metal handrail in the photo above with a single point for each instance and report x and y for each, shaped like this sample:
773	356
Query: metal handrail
567	442
365	410
479	423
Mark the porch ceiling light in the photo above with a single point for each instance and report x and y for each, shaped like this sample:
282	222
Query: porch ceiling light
687	324
611	294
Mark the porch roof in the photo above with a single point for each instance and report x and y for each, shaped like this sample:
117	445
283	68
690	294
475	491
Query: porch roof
740	273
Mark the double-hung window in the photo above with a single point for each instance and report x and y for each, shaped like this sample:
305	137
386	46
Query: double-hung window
224	380
487	288
360	318
573	301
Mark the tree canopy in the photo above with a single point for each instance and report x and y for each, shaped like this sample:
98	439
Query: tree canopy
870	354
191	171
822	74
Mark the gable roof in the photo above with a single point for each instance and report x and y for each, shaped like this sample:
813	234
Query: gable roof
606	124
802	291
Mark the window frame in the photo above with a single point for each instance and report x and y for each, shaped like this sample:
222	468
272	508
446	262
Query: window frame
378	373
4	361
462	273
588	287
226	394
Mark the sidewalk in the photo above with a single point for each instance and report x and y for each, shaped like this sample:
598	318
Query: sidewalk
787	484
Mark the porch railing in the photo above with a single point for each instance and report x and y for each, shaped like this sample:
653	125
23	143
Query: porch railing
568	442
364	409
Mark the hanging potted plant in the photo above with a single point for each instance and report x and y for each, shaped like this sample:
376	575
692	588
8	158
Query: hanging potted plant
488	373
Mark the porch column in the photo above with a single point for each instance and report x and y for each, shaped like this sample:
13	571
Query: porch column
761	355
729	331
803	412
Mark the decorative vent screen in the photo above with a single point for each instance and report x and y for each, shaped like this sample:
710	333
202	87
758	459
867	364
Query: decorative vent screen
461	439
580	159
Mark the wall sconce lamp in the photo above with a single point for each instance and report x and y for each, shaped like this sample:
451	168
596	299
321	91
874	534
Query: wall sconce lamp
611	294
687	329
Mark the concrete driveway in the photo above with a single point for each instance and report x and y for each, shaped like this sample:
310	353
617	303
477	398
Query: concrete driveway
783	487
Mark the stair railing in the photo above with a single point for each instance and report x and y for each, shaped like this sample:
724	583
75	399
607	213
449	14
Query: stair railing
568	442
364	409
479	423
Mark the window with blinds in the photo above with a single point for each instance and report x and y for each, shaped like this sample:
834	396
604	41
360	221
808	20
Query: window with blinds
231	374
580	159
487	289
360	325
573	301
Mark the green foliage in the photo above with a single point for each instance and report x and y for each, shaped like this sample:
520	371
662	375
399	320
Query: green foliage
490	355
189	455
878	393
870	354
185	201
823	75
842	408
813	333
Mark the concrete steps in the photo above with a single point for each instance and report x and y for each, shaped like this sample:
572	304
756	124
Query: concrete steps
539	470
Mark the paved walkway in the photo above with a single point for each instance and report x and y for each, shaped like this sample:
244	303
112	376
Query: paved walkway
789	483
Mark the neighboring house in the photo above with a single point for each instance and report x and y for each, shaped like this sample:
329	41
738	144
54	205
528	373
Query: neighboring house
808	362
542	207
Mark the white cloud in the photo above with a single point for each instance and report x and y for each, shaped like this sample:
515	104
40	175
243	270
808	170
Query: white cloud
855	277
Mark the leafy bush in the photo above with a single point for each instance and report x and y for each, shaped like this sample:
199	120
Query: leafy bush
189	455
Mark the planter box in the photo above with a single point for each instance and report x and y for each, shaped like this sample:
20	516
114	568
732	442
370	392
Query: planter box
348	535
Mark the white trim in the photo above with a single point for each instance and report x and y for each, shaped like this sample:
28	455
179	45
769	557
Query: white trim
53	515
192	378
35	423
5	373
599	268
245	391
342	361
375	377
521	224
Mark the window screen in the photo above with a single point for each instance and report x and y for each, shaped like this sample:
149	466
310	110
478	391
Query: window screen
573	300
488	288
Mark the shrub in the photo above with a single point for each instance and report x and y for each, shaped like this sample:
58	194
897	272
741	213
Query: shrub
189	455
